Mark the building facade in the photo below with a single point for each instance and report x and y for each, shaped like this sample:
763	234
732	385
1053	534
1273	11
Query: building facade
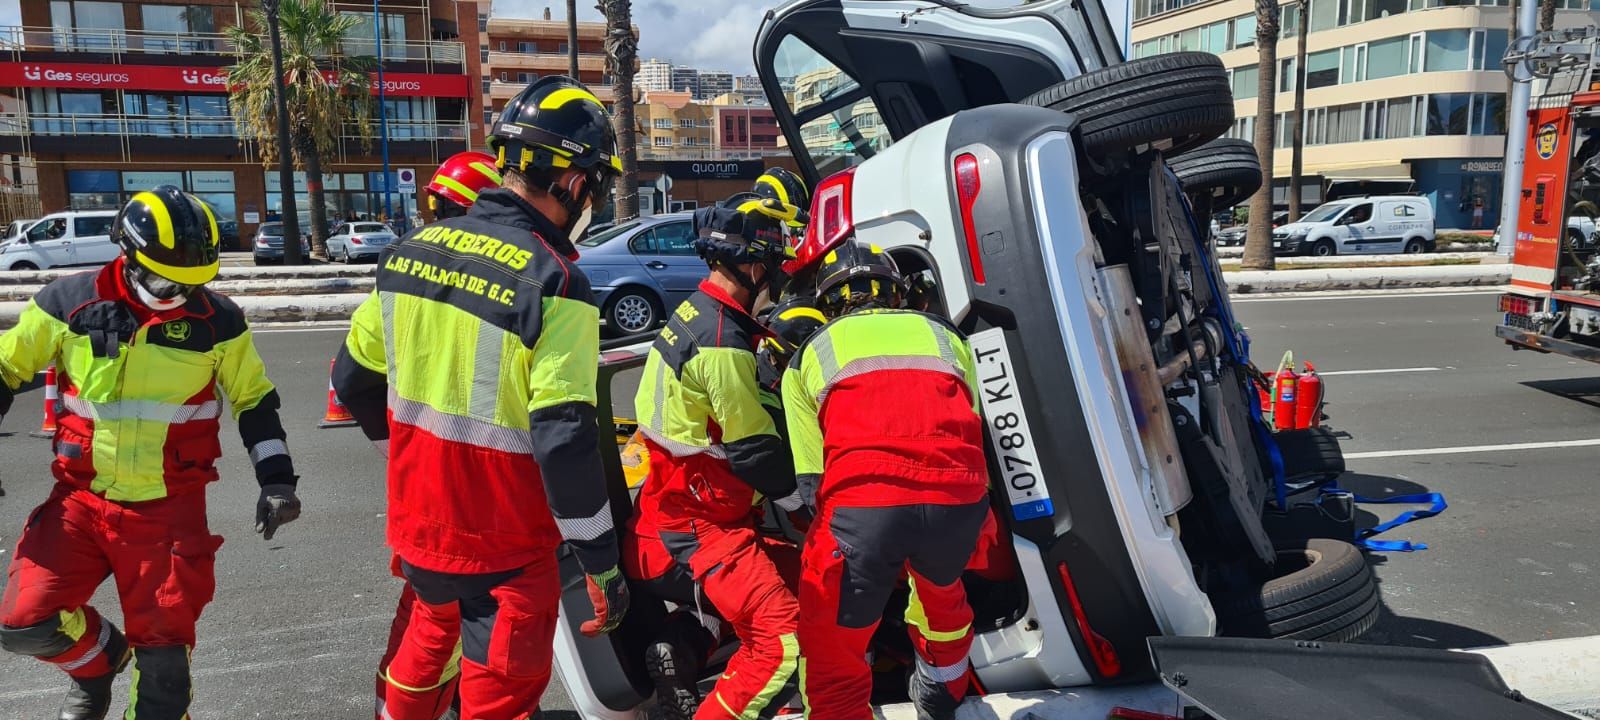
1394	88
115	98
714	84
654	76
516	52
744	130
686	79
671	125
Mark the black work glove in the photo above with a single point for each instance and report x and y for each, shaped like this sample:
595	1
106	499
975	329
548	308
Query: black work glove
277	506
608	592
108	324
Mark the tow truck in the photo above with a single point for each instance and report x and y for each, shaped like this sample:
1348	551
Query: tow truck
1553	303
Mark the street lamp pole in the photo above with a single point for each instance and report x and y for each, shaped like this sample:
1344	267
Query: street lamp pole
290	215
383	116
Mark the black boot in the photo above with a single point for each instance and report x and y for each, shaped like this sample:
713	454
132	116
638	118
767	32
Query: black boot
675	661
161	682
90	698
931	697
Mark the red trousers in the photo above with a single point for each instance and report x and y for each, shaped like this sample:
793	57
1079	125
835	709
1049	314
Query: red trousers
424	656
734	568
852	561
160	552
504	626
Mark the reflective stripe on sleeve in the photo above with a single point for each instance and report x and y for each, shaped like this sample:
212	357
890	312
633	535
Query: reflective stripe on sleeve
943	673
94	652
267	448
587	528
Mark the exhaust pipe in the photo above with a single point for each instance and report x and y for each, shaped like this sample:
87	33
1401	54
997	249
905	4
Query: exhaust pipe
1141	377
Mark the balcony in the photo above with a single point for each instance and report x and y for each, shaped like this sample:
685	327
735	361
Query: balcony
506	90
194	127
544	62
134	43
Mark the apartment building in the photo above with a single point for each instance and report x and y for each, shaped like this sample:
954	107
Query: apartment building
713	84
515	52
117	97
672	125
654	76
1395	89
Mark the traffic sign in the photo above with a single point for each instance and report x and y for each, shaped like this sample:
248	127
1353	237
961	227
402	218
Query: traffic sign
406	180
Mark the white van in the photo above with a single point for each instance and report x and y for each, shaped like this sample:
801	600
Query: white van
1385	224
74	237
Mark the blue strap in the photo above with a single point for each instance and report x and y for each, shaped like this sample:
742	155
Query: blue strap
1435	502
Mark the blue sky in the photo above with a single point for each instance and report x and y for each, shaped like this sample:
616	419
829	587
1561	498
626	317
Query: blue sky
708	34
10	13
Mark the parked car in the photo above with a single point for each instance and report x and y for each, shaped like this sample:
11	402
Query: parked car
15	229
74	237
1112	375
268	246
359	241
641	269
1382	224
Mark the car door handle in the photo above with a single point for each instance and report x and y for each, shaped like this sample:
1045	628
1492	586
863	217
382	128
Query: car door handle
1369	228
656	265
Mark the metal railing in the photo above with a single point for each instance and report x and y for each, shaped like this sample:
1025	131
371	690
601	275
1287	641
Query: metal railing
70	124
118	43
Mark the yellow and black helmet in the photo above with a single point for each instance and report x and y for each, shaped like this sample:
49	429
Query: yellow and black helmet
785	187
792	321
858	274
554	124
170	235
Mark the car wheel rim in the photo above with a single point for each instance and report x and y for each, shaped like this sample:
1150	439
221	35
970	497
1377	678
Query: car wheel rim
633	314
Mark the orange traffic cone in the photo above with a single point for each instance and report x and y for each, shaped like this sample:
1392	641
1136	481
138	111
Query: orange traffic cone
336	415
51	395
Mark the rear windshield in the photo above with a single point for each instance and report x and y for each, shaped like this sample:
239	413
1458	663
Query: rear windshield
370	228
608	234
1325	213
272	229
839	123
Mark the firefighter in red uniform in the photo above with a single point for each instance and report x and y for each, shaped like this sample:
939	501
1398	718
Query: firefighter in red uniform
894	491
452	191
479	352
714	454
142	350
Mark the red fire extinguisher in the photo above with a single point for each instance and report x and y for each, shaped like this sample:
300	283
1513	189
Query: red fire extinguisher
1284	398
1308	406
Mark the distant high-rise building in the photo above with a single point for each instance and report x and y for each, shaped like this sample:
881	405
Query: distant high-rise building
655	75
747	84
714	83
686	79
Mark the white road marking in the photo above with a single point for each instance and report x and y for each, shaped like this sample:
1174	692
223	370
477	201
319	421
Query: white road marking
1464	449
1380	371
1360	295
280	330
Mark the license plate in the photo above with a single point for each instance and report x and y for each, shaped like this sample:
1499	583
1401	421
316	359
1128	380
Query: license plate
1278	244
1000	393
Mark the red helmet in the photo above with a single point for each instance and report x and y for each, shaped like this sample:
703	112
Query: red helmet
460	179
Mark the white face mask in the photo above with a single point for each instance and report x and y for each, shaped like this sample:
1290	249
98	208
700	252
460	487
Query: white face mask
158	304
576	233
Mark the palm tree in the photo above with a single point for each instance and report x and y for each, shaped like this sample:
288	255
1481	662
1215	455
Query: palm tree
1547	15
327	91
622	54
1258	237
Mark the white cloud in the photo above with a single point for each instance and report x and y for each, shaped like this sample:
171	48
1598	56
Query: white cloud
707	34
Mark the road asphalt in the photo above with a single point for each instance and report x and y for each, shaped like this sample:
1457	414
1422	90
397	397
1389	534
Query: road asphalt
299	622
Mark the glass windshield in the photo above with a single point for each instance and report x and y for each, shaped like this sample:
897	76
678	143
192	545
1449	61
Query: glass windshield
1325	213
370	228
272	229
839	124
608	234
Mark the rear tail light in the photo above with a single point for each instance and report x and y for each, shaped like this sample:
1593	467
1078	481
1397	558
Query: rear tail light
830	220
1122	713
969	183
1517	305
355	240
1100	649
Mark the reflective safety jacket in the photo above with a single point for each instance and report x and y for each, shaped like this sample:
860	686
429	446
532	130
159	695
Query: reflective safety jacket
138	410
714	449
476	359
882	409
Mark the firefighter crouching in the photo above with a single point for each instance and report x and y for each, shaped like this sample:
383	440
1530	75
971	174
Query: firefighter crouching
894	490
451	193
145	354
714	453
478	352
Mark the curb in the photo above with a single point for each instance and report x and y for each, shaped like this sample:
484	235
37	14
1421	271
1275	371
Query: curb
238	288
1248	282
292	272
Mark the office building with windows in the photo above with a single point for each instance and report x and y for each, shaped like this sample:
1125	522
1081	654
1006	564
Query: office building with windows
654	76
117	97
516	52
686	79
1395	89
714	83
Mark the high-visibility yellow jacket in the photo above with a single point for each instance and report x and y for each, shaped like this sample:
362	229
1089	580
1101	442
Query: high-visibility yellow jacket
139	407
476	359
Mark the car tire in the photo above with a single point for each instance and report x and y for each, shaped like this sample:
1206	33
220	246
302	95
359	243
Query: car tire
1323	248
24	265
632	310
1226	168
1328	593
347	259
1415	246
1181	100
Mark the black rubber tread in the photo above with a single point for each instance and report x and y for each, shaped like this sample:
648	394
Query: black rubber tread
1226	168
1335	597
1180	101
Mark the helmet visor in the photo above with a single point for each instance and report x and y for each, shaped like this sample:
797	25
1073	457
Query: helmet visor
157	285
